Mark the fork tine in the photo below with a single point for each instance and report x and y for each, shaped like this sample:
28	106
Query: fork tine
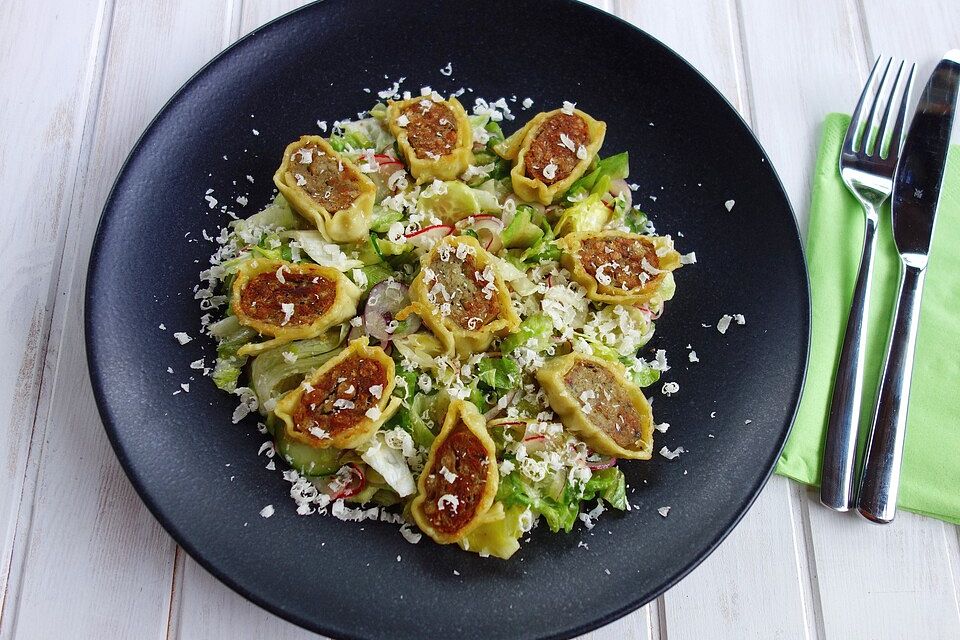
850	141
887	110
873	119
896	136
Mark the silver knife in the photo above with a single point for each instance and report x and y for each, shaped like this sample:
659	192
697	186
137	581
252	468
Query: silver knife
916	197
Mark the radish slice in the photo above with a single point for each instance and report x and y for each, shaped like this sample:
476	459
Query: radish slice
385	159
489	229
428	236
385	300
348	482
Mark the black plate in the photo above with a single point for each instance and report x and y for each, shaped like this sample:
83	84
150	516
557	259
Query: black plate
688	148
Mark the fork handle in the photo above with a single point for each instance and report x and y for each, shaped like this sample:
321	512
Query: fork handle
880	479
840	448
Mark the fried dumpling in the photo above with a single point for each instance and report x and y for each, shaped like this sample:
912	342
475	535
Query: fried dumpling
551	152
290	301
344	402
595	400
327	189
434	137
460	478
620	267
461	297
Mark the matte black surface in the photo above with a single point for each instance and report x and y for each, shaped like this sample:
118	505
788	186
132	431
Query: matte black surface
688	148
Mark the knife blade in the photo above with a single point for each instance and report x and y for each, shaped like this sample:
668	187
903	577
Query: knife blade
919	177
916	197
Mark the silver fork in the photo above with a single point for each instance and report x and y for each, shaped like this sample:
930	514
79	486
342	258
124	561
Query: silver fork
868	174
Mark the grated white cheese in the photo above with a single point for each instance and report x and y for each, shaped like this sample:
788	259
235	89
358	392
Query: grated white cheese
672	455
288	310
729	204
724	323
670	388
663	511
267	511
182	337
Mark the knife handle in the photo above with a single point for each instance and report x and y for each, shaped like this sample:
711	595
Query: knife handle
880	479
840	448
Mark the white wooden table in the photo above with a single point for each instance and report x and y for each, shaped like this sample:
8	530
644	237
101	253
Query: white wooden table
80	556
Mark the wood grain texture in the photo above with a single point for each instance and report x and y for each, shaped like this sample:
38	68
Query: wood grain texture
40	150
872	582
94	563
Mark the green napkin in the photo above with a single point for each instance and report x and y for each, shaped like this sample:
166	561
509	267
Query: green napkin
930	480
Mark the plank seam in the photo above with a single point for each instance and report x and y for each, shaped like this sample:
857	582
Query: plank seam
807	564
741	67
176	595
860	18
16	561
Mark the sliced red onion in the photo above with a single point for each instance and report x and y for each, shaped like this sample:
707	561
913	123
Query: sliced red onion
386	299
602	462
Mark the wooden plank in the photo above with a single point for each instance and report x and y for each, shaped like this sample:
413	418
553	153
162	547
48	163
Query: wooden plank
40	150
872	582
727	596
94	563
888	582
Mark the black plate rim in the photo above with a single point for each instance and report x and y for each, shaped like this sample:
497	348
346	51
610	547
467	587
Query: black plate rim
95	374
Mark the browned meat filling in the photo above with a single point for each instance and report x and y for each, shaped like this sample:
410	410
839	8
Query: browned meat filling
462	454
472	301
620	259
341	398
432	128
322	176
549	149
311	295
610	408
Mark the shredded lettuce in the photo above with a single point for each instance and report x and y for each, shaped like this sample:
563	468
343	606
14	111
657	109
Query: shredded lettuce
231	335
561	512
597	181
390	464
500	532
608	484
537	327
277	214
498	374
383	218
272	372
586	216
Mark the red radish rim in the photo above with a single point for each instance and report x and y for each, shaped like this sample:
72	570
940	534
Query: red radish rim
414	234
343	493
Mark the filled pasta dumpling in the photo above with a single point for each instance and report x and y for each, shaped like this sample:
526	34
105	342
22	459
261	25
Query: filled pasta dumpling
461	297
595	400
620	267
456	490
343	403
290	301
551	152
433	135
327	189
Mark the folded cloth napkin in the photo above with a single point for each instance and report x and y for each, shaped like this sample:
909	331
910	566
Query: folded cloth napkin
930	479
